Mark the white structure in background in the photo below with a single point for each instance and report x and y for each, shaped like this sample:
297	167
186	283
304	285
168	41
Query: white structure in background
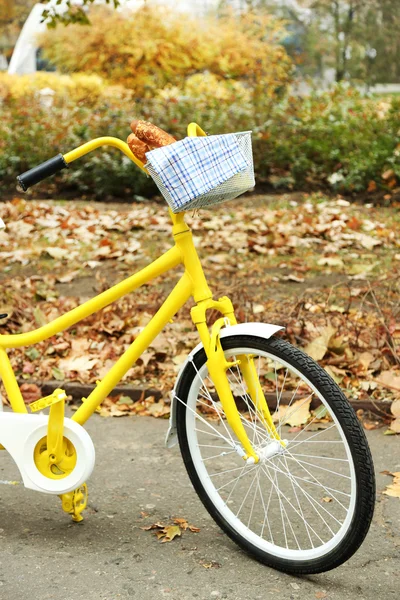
23	60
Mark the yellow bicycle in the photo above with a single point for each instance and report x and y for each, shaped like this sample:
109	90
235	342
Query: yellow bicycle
299	499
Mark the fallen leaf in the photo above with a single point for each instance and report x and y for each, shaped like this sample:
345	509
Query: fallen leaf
330	261
67	278
367	241
319	346
39	316
157	525
30	392
294	415
370	425
321	412
183	524
327	499
258	308
359	271
389	379
336	378
394	488
395	425
32	353
294	278
78	363
395	408
114	411
58	374
124	400
171	532
57	252
365	359
294	429
211	565
219	258
179	358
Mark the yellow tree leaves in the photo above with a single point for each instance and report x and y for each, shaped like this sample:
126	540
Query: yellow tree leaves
146	50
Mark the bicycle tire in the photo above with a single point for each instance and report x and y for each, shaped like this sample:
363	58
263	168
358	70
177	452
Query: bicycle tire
354	528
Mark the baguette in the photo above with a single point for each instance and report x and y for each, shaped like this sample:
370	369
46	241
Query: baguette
152	135
138	147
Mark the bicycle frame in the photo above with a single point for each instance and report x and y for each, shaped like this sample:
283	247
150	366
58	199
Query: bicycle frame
192	283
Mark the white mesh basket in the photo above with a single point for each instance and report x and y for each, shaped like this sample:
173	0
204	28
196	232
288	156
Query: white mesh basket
231	188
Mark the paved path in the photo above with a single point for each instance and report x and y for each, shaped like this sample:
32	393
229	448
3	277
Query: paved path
43	556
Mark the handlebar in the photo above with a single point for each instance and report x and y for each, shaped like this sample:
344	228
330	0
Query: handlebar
59	162
50	167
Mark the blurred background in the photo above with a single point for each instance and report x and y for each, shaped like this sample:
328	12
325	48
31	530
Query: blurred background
318	82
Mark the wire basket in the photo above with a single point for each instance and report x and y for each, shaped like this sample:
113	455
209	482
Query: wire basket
188	183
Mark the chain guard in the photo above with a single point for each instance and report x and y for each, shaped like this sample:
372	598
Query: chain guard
20	433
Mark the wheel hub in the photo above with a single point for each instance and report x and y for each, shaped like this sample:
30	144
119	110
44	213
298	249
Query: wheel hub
268	451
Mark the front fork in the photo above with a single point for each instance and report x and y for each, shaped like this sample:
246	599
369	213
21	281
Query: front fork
217	367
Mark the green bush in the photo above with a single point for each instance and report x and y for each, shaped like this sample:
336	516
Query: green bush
335	139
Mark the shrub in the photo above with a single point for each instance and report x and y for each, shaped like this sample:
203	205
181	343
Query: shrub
335	139
118	47
31	132
78	87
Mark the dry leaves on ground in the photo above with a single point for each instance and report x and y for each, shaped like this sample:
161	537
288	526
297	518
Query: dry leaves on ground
353	329
166	533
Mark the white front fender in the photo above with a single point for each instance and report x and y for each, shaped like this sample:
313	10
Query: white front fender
262	330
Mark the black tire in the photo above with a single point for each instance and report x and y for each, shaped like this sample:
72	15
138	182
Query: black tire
363	480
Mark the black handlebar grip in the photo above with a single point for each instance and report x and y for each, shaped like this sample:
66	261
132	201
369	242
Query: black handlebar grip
50	167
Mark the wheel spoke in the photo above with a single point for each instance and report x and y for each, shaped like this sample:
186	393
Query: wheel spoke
289	502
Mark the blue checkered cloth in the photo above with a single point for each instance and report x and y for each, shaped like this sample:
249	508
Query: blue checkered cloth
196	165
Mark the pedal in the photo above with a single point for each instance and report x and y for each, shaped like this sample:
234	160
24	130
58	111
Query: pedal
75	502
57	396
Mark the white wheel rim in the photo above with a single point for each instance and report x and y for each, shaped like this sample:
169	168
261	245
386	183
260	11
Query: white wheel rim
269	472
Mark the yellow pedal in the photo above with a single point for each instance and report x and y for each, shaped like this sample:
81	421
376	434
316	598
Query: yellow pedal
57	396
75	502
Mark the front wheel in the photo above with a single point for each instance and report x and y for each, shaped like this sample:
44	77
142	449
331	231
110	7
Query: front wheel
305	508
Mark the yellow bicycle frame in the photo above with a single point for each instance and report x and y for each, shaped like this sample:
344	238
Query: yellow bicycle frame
192	283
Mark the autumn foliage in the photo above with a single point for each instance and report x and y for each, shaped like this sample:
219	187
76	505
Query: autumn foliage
151	48
227	75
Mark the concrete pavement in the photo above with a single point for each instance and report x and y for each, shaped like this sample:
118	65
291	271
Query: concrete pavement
44	556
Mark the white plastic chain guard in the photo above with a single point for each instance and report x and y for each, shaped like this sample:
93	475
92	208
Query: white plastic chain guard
261	330
19	434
